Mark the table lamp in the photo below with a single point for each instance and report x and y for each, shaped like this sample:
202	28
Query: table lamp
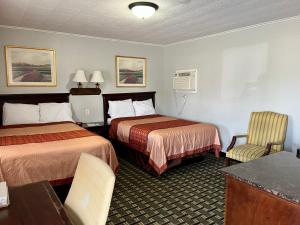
97	78
80	78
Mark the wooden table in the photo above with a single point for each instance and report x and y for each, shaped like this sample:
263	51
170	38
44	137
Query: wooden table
248	205
34	204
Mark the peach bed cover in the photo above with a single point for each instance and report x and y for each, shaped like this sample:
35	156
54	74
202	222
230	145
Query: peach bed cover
31	153
164	138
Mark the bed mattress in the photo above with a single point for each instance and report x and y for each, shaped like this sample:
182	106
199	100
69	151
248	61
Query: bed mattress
31	153
164	138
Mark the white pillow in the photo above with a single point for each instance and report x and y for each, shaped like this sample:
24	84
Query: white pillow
55	112
143	108
119	109
20	114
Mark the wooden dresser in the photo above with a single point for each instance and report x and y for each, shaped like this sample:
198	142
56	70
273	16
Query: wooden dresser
264	191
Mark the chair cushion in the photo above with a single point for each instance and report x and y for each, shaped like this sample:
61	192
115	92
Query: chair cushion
244	153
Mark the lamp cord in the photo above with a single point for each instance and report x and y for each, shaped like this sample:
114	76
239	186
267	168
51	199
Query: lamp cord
180	110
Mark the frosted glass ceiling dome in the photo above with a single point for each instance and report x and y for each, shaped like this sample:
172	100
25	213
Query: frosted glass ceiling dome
143	10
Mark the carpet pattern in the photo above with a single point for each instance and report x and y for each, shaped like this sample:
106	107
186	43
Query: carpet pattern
188	194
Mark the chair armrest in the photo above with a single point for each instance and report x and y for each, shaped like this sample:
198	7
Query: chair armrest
234	140
269	147
241	136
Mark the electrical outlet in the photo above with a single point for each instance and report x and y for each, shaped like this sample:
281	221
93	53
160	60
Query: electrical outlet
86	112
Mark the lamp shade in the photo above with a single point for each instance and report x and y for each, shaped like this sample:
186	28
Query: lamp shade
97	77
80	77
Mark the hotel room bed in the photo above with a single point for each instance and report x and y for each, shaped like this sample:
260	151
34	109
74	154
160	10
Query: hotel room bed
164	140
47	151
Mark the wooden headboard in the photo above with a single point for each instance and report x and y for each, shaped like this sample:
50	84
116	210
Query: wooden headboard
32	99
135	96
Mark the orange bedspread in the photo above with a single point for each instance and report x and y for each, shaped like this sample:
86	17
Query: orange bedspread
31	153
165	138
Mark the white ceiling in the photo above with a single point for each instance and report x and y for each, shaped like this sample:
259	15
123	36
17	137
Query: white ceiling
176	20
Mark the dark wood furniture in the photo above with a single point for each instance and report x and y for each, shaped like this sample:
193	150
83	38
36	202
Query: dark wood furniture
135	96
85	91
122	150
32	99
98	128
264	191
248	205
35	99
34	204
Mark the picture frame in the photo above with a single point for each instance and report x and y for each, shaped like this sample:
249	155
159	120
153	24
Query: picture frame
32	67
131	71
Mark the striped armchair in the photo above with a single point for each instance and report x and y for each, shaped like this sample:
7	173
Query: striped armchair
266	134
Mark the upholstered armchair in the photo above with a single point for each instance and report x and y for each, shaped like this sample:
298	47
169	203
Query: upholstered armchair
266	135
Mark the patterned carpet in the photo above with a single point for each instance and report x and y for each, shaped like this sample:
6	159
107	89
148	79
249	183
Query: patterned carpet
188	194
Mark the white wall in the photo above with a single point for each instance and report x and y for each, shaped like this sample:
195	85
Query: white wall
74	52
239	72
248	70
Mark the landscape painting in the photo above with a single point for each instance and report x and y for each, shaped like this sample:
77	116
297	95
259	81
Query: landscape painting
30	66
130	71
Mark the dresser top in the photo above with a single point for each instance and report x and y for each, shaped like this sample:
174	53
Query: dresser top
277	173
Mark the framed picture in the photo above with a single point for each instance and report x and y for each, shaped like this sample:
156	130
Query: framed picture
30	66
131	71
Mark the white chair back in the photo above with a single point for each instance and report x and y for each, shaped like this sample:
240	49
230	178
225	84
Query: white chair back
89	198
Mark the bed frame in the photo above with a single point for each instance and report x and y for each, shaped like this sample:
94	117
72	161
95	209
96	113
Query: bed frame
136	157
135	96
61	187
121	149
32	99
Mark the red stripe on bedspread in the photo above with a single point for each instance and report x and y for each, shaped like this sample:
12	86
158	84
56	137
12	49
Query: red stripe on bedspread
138	135
115	123
40	138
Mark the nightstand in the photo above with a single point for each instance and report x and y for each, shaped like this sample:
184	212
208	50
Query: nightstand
96	127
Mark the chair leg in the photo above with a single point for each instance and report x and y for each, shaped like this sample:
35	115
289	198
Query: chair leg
227	161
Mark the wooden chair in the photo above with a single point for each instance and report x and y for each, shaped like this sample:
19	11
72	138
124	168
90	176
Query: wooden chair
89	198
266	134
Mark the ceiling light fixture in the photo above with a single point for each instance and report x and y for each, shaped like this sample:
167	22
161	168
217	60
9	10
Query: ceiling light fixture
143	10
